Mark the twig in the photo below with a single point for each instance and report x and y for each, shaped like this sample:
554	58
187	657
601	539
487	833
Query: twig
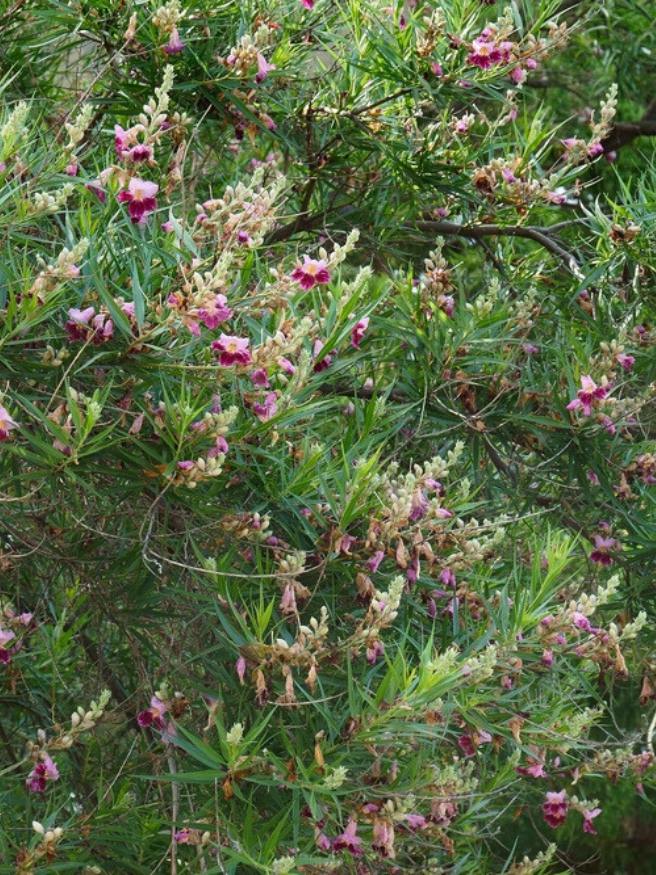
475	232
175	806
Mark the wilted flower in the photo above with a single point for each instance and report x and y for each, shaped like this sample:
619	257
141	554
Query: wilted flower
266	409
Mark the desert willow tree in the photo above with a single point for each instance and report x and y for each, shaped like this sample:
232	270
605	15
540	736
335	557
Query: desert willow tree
327	455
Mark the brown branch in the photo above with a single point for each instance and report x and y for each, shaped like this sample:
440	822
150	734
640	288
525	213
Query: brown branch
476	232
623	133
449	229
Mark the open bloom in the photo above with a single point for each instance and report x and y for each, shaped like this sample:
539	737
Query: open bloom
153	716
140	197
588	816
603	546
7	424
45	770
232	350
127	146
311	273
535	769
555	808
588	396
6	636
214	311
483	54
349	840
78	322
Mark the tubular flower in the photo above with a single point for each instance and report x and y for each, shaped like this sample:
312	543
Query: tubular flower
311	273
140	197
232	350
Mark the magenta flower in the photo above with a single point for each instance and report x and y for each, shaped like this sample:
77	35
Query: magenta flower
153	716
436	69
625	361
447	577
308	4
415	821
286	366
260	378
44	771
128	149
140	197
78	322
215	312
7	424
175	45
182	836
547	658
266	409
534	769
97	189
603	546
373	563
358	332
374	652
588	816
311	273
466	745
232	350
580	621
383	838
240	668
587	396
349	840
263	68
484	54
555	809
418	507
5	654
326	361
103	328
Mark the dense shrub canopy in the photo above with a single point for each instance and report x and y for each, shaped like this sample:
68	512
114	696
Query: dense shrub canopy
327	436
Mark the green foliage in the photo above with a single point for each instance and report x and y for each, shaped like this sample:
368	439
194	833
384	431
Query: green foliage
326	437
